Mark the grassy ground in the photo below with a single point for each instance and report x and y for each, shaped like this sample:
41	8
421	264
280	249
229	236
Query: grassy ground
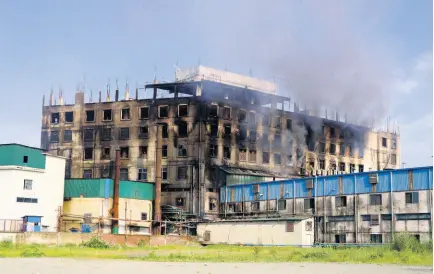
405	252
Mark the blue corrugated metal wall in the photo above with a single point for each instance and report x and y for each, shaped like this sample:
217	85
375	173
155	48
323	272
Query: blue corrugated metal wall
422	180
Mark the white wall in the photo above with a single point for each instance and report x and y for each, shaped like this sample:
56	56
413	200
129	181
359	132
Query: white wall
47	187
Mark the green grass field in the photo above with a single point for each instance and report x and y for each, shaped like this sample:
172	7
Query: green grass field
403	251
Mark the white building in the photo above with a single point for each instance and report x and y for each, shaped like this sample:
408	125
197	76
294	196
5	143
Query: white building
31	188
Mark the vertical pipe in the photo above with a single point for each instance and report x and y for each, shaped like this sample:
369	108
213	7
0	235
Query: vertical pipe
125	221
159	156
115	209
429	200
316	183
293	196
324	211
392	227
226	199
356	223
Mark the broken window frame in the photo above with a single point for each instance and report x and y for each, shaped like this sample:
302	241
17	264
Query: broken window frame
88	151
164	173
213	110
252	117
412	197
104	155
277	122
227	113
266	120
212	204
242	116
124	174
277	159
361	168
227	152
253	136
165	131
106	134
265	157
384	142
143	152
180	202
309	203
321	163
142	174
186	110
289	161
87	134
87	174
127	116
242	133
214	130
125	152
124	133
340	201
250	157
184	132
227	133
352	168
375	199
164	151
55	118
342	149
143	134
182	149
181	172
107	118
212	151
87	116
159	111
67	140
142	112
322	147
332	149
242	152
69	121
393	159
332	131
288	124
342	166
54	136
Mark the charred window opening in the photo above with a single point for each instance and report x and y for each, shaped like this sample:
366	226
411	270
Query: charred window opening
312	163
322	147
333	166
289	160
182	172
124	133
212	204
242	155
393	159
352	168
228	130
342	149
332	132
361	168
125	114
164	173
107	115
265	141
265	157
182	151
252	117
69	117
90	116
277	140
213	149
277	122
87	174
104	171
182	110
214	129
310	140
144	113
341	201
180	202
88	135
54	136
227	153
88	153
322	164
125	152
340	239
143	151
252	156
226	113
106	134
309	204
350	150
164	151
182	129
393	144
277	159
105	154
163	112
253	136
213	110
165	132
242	134
55	118
288	124
143	132
333	149
242	116
123	174
67	136
342	166
266	120
142	174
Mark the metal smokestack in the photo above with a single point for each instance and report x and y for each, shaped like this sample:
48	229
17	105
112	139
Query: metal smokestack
115	208
159	156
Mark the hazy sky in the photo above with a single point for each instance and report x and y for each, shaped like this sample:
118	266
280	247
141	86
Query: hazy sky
369	58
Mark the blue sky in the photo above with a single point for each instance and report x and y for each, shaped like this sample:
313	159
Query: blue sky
370	56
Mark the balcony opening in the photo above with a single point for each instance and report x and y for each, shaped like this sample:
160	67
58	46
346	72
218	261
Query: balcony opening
107	115
125	114
105	154
55	118
90	116
124	152
143	152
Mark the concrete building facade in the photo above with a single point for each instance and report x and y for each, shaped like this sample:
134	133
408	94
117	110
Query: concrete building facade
214	133
31	184
353	208
88	205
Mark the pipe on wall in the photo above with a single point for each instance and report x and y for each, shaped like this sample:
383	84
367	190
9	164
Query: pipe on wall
391	204
356	223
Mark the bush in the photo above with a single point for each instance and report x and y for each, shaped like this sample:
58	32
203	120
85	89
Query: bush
95	243
6	245
32	252
142	244
407	242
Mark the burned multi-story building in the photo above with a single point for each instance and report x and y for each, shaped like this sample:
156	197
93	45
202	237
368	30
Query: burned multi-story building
218	128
